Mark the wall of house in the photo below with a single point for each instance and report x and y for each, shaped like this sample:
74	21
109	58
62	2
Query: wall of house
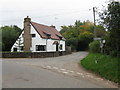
37	40
63	45
18	43
50	45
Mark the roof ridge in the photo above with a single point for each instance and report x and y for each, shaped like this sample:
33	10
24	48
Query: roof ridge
43	25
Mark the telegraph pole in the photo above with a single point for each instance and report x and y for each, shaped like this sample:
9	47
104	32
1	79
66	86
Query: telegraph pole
94	23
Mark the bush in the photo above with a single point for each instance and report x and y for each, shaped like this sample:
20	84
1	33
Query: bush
94	47
110	49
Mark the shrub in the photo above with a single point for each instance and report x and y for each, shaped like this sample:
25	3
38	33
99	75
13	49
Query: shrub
94	46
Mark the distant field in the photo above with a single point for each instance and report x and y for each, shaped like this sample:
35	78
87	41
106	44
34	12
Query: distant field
104	65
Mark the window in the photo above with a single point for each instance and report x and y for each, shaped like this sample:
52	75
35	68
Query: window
48	35
61	47
21	48
40	47
33	35
15	49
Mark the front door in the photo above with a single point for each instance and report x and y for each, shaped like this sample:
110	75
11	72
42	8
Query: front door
56	47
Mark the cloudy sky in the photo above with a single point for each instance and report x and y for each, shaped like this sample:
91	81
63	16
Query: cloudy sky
48	12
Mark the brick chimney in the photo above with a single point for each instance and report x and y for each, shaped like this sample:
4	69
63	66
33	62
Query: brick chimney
27	35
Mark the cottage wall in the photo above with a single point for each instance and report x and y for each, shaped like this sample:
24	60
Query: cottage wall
37	40
63	45
31	41
18	43
50	47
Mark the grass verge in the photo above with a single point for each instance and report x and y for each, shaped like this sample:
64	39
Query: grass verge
104	65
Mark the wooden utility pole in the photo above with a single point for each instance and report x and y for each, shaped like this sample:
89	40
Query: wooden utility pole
94	23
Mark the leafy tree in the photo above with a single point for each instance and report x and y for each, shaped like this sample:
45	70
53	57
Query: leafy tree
77	36
78	24
84	39
9	36
111	20
89	26
64	29
71	36
100	31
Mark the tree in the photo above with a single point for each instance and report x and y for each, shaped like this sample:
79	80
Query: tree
111	20
9	36
79	35
70	35
84	39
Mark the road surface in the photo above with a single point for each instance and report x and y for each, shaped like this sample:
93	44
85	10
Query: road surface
55	72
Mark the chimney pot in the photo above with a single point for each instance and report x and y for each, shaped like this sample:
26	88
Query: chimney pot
52	26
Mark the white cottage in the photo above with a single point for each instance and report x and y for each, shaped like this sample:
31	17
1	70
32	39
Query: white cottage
38	38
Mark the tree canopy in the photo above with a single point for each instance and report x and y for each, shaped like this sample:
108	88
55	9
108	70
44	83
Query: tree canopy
9	36
79	35
111	20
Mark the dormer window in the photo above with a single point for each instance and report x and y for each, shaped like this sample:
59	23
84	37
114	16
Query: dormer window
49	36
60	37
33	35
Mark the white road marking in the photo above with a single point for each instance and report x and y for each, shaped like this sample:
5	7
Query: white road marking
18	63
89	76
63	69
48	66
98	78
71	71
65	72
79	73
83	76
45	68
55	68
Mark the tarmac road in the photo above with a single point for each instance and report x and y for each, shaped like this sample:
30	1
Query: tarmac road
57	72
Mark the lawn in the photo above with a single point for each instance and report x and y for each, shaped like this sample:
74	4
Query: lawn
104	65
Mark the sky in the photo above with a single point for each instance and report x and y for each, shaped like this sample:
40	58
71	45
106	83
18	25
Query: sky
47	12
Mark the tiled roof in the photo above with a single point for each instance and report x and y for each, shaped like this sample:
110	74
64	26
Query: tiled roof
47	31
